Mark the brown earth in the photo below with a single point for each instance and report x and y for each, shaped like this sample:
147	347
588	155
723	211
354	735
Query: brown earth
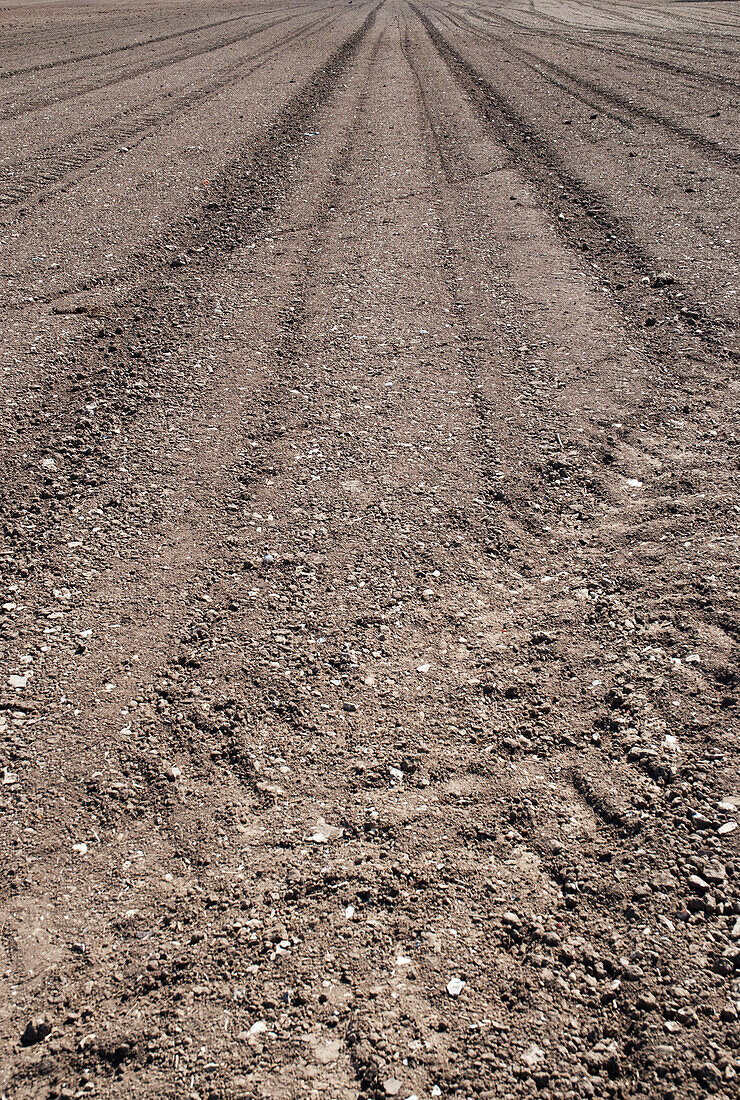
370	611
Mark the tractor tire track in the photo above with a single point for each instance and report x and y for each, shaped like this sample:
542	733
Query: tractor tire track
62	169
555	33
588	215
239	205
143	44
595	96
106	83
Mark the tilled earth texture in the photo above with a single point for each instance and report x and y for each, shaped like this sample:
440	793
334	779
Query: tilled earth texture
370	608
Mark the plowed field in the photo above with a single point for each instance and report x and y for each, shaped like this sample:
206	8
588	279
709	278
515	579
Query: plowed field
370	513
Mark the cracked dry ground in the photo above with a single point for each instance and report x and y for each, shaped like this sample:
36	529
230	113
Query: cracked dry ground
370	623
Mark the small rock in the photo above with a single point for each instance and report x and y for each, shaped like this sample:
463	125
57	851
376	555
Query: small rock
455	987
660	279
323	833
533	1056
328	1052
392	1086
714	873
664	882
273	789
36	1030
708	1075
727	828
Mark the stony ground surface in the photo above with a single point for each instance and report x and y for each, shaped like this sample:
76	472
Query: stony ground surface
370	612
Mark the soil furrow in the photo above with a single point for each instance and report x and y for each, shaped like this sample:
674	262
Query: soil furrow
584	217
543	67
106	83
67	166
698	76
239	205
146	43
